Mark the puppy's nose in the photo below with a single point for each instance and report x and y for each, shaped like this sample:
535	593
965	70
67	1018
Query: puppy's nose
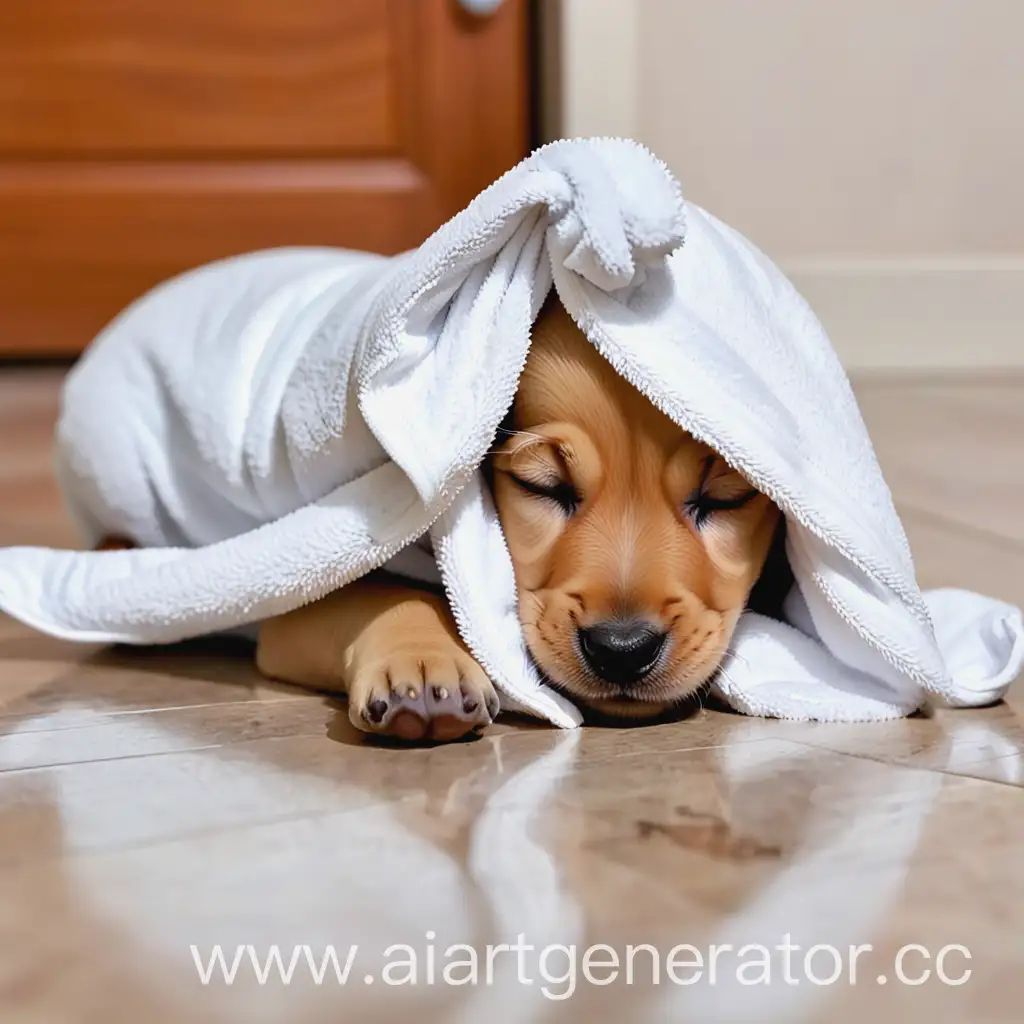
621	652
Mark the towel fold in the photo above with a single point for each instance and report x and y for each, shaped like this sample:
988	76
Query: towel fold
273	426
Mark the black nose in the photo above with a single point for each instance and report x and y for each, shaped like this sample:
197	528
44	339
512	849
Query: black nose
621	652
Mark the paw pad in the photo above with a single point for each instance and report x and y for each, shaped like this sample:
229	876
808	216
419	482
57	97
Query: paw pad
435	712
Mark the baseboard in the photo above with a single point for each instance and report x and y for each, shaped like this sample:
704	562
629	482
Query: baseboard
919	315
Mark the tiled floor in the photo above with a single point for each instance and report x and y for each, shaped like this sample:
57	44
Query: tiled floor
159	801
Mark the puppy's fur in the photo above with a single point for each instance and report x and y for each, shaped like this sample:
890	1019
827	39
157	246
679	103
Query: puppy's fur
635	549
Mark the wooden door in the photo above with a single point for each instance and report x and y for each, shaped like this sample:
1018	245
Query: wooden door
142	137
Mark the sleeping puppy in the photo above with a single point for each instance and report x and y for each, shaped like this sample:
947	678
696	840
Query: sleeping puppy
635	549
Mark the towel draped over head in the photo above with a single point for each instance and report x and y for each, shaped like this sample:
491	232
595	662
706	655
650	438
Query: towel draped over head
273	426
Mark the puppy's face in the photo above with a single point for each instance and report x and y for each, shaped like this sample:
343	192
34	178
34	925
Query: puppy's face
634	545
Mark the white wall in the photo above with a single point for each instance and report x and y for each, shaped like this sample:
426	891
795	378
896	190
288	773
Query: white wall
874	148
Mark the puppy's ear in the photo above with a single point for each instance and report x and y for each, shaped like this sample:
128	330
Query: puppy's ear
776	579
503	431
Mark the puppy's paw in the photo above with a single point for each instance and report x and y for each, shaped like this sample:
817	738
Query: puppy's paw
440	697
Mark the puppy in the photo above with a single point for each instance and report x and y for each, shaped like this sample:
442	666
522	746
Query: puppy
635	549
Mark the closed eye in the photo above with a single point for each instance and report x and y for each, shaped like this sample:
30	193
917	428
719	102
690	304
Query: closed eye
560	492
701	505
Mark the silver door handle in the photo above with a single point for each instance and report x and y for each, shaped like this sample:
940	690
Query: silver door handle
481	8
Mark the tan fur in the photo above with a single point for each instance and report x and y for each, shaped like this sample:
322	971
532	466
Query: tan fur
630	550
375	638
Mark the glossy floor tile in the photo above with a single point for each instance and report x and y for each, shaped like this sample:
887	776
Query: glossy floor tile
159	806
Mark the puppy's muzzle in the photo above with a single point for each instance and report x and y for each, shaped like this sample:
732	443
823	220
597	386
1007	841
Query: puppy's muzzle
621	652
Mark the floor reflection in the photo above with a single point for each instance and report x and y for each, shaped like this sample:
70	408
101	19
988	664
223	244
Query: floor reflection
230	812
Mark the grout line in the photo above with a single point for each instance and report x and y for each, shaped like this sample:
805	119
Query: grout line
910	766
689	749
226	744
193	835
110	718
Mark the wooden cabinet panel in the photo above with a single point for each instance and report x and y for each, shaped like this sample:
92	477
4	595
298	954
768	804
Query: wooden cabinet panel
78	243
141	137
194	77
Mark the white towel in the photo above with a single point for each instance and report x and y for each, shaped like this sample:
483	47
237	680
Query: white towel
276	425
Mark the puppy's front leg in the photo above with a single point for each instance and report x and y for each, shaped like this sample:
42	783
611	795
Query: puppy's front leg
394	650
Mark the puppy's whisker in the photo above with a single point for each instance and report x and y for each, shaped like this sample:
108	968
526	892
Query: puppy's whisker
726	676
522	446
527	440
520	433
